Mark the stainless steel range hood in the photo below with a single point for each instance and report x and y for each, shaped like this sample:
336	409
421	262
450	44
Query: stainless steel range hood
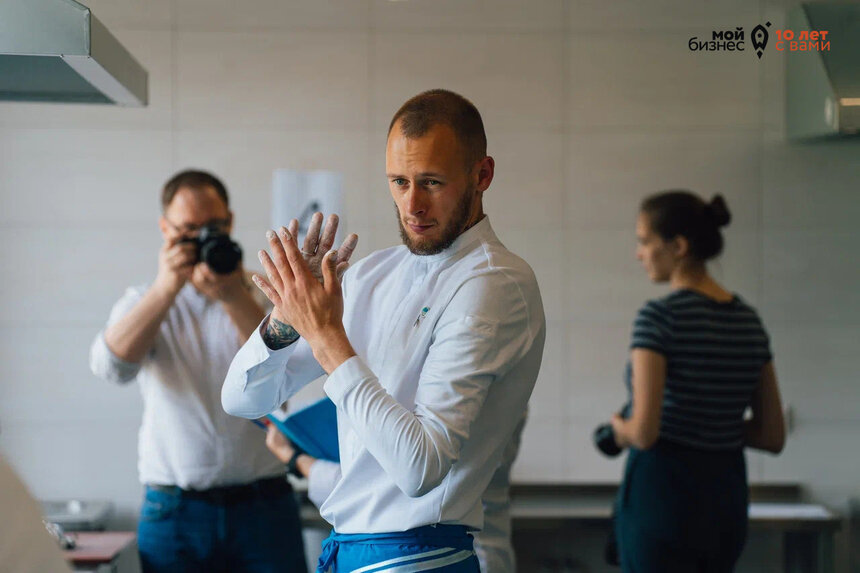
823	87
57	51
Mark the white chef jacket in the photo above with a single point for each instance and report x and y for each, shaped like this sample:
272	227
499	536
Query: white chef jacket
448	349
186	438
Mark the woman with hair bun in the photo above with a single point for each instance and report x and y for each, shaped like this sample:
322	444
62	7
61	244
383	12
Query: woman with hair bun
700	357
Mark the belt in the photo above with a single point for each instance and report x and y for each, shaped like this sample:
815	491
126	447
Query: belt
267	487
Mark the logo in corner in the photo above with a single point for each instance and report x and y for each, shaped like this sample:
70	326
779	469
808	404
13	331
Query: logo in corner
759	39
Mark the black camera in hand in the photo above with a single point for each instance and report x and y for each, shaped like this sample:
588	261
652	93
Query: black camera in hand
216	249
604	436
604	440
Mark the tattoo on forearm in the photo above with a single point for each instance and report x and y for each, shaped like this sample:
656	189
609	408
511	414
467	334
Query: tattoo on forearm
279	334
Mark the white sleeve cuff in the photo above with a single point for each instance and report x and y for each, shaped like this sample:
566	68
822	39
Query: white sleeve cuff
255	352
107	365
252	385
346	377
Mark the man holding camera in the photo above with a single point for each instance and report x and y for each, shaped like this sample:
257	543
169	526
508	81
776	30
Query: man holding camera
216	499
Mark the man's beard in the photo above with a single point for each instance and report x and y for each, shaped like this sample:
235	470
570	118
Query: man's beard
454	229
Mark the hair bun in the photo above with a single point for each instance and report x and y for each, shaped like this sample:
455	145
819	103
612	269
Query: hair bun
718	211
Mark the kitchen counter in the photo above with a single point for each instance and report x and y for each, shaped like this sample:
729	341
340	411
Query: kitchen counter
806	528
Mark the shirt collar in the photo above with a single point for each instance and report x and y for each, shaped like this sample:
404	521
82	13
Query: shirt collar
481	231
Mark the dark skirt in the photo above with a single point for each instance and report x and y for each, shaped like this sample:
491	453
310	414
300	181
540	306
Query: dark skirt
682	509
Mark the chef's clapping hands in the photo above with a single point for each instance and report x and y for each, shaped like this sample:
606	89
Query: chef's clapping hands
304	286
316	245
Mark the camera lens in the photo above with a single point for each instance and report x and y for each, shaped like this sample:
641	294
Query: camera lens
217	250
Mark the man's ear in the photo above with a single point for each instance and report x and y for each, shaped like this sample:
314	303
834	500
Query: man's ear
164	226
486	169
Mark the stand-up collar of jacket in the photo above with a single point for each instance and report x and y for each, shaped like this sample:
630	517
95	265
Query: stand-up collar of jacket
480	230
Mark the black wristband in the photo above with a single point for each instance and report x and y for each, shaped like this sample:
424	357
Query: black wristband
292	465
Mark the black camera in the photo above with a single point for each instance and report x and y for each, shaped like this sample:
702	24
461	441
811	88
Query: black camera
604	440
604	436
216	249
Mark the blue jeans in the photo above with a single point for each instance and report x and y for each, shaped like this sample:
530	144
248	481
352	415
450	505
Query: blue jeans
261	534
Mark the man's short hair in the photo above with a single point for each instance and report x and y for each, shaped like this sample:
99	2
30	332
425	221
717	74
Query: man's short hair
428	109
192	179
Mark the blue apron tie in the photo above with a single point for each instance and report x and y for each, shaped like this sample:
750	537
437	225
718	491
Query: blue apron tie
329	552
453	536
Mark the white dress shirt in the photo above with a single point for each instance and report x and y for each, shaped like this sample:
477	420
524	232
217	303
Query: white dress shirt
186	438
448	349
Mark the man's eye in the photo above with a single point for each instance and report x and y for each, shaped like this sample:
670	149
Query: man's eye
400	182
432	182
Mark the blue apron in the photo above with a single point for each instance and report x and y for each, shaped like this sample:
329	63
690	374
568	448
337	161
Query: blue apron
429	548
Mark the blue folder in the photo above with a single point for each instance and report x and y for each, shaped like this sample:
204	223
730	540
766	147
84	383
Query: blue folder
313	429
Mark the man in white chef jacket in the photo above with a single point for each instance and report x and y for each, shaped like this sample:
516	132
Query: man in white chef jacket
432	349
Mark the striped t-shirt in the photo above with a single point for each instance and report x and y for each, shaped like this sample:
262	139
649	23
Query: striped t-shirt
714	353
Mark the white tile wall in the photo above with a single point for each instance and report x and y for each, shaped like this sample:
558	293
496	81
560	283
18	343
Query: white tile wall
469	15
72	275
806	185
607	284
46	371
528	185
82	460
81	177
548	397
818	455
594	370
516	80
817	371
740	265
812	277
585	462
589	106
272	80
539	460
224	15
610	173
661	14
651	80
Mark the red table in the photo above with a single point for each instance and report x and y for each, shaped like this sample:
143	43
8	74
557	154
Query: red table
96	548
